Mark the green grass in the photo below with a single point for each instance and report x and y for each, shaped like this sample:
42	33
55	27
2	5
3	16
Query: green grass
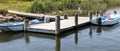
64	6
19	6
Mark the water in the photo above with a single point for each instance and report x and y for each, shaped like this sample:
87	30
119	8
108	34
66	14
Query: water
87	38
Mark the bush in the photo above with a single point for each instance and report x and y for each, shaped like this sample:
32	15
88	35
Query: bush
40	6
66	6
26	0
68	12
3	12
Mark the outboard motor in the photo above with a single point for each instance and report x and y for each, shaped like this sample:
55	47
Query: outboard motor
43	18
99	21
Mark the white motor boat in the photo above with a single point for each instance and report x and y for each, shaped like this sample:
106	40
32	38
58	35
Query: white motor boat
106	21
17	26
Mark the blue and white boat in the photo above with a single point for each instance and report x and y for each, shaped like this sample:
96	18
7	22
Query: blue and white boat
17	26
114	19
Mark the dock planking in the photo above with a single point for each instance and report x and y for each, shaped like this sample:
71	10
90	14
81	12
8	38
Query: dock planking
65	24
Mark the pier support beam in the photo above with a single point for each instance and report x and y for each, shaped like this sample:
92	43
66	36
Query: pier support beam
76	28
65	16
25	24
57	22
90	15
47	20
101	14
97	13
76	20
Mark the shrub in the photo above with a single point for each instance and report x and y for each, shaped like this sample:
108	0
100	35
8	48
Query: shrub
67	6
3	12
40	6
68	12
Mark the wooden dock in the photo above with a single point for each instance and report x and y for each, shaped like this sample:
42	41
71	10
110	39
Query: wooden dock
57	26
65	24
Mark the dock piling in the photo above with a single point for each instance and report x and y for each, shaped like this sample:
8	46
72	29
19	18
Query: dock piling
97	13
47	20
90	15
65	16
57	22
25	24
101	14
76	20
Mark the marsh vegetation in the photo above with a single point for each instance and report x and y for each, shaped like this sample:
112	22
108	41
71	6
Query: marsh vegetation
58	7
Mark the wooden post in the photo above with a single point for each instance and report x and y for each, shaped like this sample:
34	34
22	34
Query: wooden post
76	20
79	11
47	20
101	13
65	16
25	25
90	15
97	13
57	21
76	27
115	12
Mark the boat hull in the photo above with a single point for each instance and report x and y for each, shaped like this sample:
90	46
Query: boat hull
17	26
105	23
12	28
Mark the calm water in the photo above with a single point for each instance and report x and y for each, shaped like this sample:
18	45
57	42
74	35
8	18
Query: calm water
87	38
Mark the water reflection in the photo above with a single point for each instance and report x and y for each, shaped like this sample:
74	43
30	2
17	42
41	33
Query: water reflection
76	36
99	29
56	43
90	31
26	36
5	37
9	36
57	47
62	35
